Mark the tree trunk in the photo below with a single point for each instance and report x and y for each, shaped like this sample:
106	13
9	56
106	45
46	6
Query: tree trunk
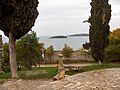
13	63
1	54
29	65
39	64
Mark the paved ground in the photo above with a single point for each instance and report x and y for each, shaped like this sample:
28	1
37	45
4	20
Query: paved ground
107	79
75	64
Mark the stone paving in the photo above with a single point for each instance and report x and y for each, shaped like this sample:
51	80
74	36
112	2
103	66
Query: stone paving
107	79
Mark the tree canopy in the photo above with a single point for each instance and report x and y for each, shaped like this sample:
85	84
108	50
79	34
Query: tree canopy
112	51
67	51
49	52
17	16
114	37
99	28
28	50
16	19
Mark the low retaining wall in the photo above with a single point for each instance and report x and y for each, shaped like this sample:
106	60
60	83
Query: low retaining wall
76	56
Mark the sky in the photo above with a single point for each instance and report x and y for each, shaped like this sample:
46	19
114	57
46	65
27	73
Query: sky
64	17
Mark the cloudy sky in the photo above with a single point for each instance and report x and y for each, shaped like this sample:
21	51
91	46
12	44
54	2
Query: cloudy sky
63	17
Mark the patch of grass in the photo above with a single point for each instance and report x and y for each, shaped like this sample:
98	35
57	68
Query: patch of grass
97	67
5	76
94	67
35	73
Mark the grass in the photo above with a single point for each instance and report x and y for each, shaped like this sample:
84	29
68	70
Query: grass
94	67
97	67
51	72
35	73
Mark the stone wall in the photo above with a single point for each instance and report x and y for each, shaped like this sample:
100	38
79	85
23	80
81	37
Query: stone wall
76	56
1	53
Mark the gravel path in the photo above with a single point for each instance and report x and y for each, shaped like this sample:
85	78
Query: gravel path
70	64
107	79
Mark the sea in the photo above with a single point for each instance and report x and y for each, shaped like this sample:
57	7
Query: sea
74	42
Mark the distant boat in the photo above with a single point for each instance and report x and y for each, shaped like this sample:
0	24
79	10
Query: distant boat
78	35
58	37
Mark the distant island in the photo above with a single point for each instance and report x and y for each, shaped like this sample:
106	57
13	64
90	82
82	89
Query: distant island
78	35
73	35
58	37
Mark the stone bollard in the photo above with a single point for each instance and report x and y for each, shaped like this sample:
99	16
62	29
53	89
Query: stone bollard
61	69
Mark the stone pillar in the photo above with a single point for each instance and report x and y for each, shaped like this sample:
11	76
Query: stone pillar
61	69
1	53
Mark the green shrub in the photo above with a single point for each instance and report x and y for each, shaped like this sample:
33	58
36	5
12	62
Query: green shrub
112	53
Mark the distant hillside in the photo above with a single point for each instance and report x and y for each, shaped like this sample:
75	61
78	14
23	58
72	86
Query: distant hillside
58	37
78	35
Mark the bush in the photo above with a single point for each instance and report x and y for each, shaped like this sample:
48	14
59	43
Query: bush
67	51
112	53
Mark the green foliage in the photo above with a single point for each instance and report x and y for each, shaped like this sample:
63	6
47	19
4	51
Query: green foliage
5	62
112	53
28	50
99	28
67	51
98	67
17	16
40	52
114	37
113	49
114	40
52	71
49	52
86	45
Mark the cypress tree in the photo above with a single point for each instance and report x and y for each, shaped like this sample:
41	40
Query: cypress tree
99	28
16	19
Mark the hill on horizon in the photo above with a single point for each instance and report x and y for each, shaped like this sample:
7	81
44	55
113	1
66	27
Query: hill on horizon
81	34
